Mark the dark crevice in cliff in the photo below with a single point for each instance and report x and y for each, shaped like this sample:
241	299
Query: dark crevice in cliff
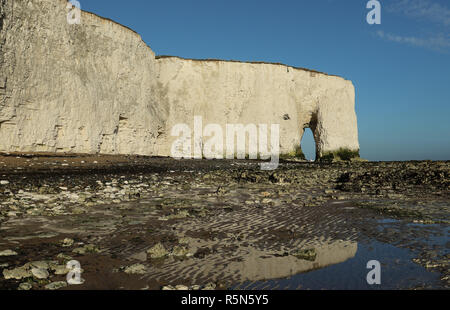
2	14
316	135
3	82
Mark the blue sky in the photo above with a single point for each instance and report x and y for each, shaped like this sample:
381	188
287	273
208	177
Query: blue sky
400	69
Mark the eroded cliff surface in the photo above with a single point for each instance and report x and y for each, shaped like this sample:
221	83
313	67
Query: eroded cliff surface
228	92
74	88
97	87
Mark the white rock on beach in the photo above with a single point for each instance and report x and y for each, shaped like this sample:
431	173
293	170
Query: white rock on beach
40	273
8	253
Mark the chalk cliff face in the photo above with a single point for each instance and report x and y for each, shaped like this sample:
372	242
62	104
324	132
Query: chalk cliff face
97	87
84	88
233	92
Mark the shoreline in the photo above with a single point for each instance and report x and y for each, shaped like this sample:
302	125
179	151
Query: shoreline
153	223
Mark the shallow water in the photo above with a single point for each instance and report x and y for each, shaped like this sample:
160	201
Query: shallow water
397	272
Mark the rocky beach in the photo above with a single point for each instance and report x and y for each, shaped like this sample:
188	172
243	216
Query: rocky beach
136	222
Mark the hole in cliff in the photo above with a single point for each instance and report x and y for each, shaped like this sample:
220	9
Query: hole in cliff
308	145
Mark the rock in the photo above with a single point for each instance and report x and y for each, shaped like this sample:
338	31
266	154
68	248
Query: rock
8	253
309	254
136	269
40	273
184	240
17	273
90	248
209	287
182	288
180	215
202	252
64	257
25	286
168	288
157	251
180	251
4	182
41	264
266	200
60	269
67	242
56	285
80	250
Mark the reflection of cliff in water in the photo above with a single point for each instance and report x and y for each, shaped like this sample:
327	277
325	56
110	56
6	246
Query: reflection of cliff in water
248	263
257	266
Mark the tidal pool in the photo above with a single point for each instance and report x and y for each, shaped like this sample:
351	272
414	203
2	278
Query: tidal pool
398	271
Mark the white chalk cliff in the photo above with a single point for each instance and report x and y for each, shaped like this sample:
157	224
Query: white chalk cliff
96	87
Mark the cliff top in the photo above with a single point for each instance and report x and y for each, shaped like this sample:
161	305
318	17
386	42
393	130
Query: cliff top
248	62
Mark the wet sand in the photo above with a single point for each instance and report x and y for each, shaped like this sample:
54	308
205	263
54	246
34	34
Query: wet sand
152	223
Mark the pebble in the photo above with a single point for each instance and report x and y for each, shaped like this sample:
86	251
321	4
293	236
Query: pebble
17	273
40	273
135	269
209	287
56	285
40	264
8	253
308	254
89	248
64	257
67	242
157	251
60	270
180	251
19	202
25	286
